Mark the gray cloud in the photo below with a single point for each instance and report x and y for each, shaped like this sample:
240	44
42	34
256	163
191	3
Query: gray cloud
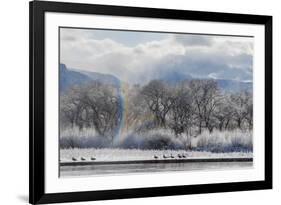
196	55
207	66
193	40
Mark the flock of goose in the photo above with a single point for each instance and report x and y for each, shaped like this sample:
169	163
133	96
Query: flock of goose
83	159
164	156
171	156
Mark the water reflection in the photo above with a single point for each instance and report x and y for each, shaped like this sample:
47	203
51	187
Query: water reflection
149	167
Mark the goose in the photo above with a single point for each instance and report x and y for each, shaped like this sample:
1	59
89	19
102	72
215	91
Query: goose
183	156
172	156
164	156
155	157
74	159
93	158
179	156
83	159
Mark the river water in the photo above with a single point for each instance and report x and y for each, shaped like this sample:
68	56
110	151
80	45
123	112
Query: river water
102	169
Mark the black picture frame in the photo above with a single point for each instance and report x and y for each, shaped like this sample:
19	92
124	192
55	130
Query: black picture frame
37	9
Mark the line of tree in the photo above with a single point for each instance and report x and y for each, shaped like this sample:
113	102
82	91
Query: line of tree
95	105
188	107
198	103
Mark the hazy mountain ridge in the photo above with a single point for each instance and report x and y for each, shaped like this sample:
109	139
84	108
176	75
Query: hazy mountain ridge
234	85
70	77
173	77
224	84
103	78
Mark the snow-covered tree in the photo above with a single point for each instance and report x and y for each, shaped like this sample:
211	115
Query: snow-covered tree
159	98
206	98
242	104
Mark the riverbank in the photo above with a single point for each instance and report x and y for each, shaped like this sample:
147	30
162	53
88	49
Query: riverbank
195	160
96	156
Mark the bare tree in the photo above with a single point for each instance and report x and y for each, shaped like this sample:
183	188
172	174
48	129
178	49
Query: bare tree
249	116
95	105
104	108
181	114
206	98
159	98
242	106
223	112
71	106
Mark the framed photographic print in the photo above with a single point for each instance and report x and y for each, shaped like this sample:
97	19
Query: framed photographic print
140	102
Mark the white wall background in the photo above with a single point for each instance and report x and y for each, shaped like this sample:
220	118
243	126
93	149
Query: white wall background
14	100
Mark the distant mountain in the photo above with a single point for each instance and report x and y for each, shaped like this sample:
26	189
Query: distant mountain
173	77
69	78
224	84
103	78
234	86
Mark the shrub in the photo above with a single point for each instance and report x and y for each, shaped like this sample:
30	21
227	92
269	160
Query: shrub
153	139
160	139
85	138
226	141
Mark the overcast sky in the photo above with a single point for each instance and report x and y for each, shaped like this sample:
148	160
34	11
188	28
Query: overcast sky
140	56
